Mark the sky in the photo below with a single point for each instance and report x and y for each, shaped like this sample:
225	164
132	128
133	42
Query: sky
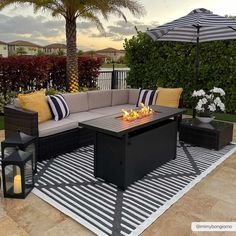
21	23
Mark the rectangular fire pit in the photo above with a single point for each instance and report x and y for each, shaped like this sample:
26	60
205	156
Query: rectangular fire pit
125	151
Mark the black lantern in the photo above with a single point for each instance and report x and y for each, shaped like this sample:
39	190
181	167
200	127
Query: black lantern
17	174
23	142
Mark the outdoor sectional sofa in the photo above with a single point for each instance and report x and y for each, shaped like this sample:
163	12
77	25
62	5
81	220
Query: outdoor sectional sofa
57	137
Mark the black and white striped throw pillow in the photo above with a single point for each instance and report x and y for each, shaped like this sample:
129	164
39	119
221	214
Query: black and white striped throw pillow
147	97
58	107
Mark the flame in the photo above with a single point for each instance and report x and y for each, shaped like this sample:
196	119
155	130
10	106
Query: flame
133	115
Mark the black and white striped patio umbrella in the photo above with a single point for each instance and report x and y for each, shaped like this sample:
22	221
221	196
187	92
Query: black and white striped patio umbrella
200	25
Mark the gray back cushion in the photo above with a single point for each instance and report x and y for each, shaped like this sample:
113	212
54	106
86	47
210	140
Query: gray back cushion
97	99
133	96
120	96
77	102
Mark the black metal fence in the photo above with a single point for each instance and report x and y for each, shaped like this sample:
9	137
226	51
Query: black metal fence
112	79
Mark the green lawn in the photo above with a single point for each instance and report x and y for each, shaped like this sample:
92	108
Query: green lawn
110	65
1	123
219	116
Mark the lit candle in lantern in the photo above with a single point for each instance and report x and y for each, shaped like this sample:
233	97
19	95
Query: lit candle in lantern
17	188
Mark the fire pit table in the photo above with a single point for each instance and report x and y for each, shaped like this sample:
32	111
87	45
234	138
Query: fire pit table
125	151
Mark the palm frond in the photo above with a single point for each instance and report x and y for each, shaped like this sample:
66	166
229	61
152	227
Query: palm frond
94	18
134	7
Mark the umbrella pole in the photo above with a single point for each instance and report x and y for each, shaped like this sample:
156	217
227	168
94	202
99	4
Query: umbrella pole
196	75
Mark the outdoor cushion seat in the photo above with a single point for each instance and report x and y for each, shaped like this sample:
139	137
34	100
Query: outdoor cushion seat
133	96
98	98
83	116
56	137
51	127
120	96
77	102
113	110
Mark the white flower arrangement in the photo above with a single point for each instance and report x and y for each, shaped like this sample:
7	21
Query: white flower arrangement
209	103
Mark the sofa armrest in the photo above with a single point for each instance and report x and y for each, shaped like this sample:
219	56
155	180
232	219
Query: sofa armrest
19	119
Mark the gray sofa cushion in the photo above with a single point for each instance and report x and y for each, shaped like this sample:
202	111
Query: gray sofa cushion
97	99
133	96
120	96
51	127
112	110
83	116
77	102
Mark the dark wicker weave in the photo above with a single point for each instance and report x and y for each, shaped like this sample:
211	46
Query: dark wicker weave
50	146
214	135
19	119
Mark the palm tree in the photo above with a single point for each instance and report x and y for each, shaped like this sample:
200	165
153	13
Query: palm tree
73	9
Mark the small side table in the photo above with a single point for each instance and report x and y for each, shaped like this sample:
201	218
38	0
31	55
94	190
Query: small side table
214	135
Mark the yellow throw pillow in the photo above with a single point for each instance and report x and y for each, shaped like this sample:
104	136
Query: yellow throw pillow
37	102
169	97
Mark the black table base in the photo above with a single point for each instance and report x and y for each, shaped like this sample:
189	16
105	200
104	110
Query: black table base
123	160
127	151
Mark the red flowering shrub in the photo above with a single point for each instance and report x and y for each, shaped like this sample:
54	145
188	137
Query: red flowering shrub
88	71
35	72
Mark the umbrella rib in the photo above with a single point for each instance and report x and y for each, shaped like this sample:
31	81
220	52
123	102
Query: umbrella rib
232	28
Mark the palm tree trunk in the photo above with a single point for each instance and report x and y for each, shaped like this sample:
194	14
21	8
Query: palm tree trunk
72	61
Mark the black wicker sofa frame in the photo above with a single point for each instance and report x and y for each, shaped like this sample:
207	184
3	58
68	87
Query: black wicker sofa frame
49	146
18	119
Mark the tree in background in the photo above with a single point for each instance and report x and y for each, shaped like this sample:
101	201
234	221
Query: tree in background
231	17
80	52
20	51
71	10
41	53
91	53
60	53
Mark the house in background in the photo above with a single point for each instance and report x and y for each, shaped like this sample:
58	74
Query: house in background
55	49
111	54
3	49
20	47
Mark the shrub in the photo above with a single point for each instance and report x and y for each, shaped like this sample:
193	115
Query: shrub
88	71
6	99
36	72
171	64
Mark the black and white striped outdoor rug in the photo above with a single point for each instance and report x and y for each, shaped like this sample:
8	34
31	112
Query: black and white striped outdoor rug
67	183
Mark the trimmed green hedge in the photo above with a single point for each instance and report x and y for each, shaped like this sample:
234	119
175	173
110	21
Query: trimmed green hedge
171	64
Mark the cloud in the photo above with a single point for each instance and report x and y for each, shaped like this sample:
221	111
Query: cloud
38	29
43	30
121	29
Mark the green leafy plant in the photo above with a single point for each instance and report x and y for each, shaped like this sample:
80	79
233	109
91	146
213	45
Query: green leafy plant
7	99
171	64
21	51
